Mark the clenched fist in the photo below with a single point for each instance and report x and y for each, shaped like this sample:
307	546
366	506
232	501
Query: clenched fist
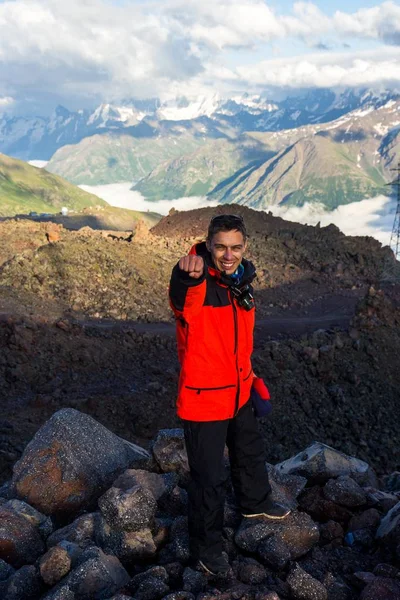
192	264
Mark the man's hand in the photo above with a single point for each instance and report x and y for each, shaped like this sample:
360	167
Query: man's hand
192	264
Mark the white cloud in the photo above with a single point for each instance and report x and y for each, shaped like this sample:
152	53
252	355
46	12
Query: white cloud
363	68
107	50
6	101
120	194
373	217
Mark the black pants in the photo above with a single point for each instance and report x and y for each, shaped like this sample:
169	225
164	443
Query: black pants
205	442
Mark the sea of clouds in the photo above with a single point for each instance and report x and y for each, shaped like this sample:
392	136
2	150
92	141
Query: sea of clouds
373	216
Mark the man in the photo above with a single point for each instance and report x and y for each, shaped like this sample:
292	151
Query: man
211	296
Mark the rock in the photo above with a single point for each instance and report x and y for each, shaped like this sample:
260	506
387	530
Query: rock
170	452
24	584
389	528
369	519
382	588
285	488
383	501
250	571
180	539
392	482
385	570
6	570
96	578
54	565
180	596
331	531
305	587
345	491
81	531
152	588
20	541
69	463
193	581
298	532
157	483
128	546
38	520
274	552
314	502
128	511
318	463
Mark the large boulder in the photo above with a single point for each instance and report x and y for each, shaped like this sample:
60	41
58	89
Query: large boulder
319	463
70	462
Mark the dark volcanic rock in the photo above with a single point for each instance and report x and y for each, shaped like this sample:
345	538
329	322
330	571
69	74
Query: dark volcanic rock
81	531
389	529
305	587
71	460
24	584
382	588
170	452
128	510
344	490
20	541
54	565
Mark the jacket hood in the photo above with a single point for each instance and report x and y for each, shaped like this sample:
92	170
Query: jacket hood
249	269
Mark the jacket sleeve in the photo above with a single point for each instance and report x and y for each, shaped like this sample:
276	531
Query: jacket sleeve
186	294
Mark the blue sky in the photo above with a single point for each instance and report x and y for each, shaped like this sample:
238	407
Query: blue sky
82	53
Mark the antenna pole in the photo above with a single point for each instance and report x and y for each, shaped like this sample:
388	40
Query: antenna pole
395	236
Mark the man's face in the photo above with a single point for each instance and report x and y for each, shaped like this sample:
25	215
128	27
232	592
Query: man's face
227	248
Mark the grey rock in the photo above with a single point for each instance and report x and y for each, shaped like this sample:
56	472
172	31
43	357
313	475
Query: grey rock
24	584
298	532
251	572
157	483
383	501
128	546
193	581
169	451
129	510
153	588
157	572
381	588
70	462
385	570
305	587
285	488
274	552
345	491
391	482
5	490
389	528
6	570
95	579
369	519
81	531
318	463
20	541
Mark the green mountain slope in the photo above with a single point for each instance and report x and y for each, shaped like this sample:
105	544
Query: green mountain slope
24	188
316	169
114	158
197	173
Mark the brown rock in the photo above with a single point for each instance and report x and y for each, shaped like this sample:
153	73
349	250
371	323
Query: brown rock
54	565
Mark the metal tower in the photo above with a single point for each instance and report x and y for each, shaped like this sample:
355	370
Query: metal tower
395	236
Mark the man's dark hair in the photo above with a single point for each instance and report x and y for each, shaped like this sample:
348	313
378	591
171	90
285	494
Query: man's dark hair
226	223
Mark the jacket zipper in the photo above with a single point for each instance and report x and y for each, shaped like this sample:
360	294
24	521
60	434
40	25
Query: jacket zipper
236	353
210	389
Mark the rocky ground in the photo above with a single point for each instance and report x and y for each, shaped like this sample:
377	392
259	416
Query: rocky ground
84	323
88	515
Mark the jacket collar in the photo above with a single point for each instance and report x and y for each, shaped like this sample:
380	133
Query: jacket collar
249	269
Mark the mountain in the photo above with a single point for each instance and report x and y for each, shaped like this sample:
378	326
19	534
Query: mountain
333	164
38	138
199	172
118	156
24	188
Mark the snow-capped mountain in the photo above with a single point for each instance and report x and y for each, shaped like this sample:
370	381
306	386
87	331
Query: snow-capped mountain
39	138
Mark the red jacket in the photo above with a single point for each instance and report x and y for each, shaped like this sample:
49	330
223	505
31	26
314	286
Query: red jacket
215	342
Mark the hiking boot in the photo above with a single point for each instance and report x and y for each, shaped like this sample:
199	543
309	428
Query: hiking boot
275	511
217	566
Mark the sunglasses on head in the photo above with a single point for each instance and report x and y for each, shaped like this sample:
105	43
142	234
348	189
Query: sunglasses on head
223	217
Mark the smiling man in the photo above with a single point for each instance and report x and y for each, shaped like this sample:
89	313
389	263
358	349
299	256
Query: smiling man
211	296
